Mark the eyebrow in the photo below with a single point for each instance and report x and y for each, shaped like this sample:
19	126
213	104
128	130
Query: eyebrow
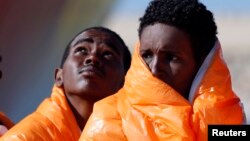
107	42
89	40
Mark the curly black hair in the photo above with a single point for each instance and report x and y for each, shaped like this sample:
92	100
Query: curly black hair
126	55
190	16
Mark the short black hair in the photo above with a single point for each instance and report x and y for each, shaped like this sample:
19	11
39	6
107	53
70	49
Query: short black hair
126	55
190	16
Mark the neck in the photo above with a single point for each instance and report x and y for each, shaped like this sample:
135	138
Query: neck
81	108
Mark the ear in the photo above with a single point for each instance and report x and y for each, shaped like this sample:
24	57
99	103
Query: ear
58	77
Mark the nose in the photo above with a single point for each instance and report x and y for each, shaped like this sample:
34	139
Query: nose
156	68
92	59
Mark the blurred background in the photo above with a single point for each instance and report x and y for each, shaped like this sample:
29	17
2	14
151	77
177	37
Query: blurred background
34	34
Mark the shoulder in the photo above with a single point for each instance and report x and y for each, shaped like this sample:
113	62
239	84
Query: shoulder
103	120
110	100
106	107
34	126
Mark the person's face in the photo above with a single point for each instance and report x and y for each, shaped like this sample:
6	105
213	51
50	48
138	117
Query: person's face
94	67
167	52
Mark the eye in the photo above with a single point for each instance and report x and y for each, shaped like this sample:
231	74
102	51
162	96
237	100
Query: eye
146	55
108	55
171	57
81	50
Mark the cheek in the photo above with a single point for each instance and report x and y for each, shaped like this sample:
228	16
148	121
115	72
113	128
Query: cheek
115	75
177	69
68	79
183	72
191	68
69	74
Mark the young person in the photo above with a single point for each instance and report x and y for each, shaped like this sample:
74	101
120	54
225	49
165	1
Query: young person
178	82
94	65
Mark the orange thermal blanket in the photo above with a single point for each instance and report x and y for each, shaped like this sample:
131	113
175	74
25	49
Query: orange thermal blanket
147	109
53	120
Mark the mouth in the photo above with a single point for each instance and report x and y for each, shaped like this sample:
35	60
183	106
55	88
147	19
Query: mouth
91	71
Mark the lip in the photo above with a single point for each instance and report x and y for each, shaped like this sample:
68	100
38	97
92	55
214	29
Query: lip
91	71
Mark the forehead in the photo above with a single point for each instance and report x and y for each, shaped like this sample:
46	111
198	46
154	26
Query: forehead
164	36
99	36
